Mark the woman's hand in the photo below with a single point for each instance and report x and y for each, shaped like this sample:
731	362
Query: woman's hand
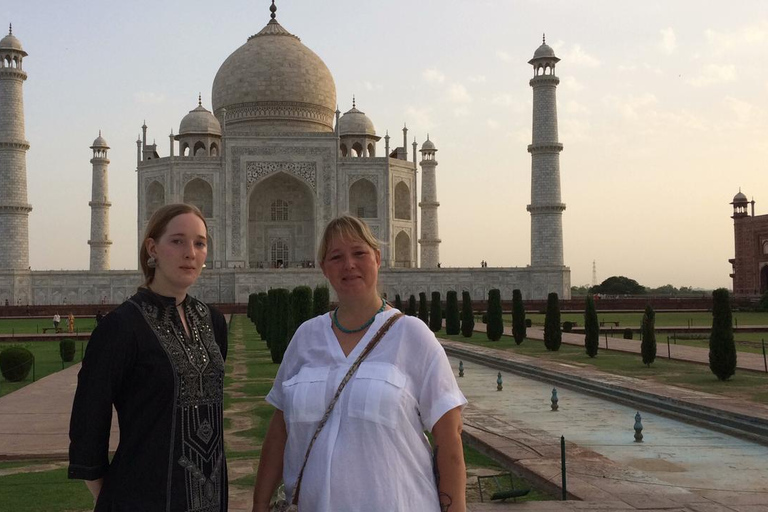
270	470
95	487
450	471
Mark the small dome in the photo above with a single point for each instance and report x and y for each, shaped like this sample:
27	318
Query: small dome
740	198
100	142
11	42
428	145
354	122
544	52
200	122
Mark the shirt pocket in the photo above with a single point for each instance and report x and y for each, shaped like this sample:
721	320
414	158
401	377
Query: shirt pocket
377	394
305	394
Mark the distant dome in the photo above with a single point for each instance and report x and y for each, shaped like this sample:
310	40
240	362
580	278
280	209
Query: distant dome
100	142
428	145
11	42
274	83
544	51
354	122
200	122
740	198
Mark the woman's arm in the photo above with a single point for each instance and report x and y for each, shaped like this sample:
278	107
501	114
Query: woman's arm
270	470
95	487
450	471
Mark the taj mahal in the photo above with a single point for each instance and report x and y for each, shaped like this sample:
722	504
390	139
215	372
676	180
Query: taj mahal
271	162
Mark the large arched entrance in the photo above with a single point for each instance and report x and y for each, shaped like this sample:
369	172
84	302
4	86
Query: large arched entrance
403	250
363	199
281	223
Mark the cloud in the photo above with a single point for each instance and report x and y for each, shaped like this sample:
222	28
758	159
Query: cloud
668	42
432	75
574	107
503	56
514	103
743	110
421	117
149	97
749	37
570	82
714	74
492	124
631	107
462	111
575	55
478	79
457	93
372	87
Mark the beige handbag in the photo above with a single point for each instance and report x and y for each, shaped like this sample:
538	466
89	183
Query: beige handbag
281	505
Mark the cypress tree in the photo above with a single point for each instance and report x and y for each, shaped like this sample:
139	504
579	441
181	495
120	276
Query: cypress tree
262	314
494	328
301	307
648	343
280	324
398	302
467	315
435	313
722	350
269	320
519	330
411	306
591	328
321	300
553	337
452	322
423	308
251	311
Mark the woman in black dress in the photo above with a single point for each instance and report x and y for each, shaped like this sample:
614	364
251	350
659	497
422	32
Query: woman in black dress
159	360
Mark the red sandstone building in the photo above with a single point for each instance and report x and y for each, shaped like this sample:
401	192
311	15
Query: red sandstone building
750	264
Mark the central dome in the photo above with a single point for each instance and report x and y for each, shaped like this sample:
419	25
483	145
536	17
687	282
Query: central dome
275	84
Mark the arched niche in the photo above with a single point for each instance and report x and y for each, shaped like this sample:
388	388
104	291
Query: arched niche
199	193
402	201
209	256
155	198
296	228
214	149
371	150
343	149
199	149
357	149
363	199
403	250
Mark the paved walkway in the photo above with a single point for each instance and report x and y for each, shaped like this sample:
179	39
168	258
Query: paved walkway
745	360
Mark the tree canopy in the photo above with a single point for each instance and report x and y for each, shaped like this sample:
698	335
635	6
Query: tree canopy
619	285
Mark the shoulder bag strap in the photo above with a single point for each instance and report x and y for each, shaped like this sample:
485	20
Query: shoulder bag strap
368	348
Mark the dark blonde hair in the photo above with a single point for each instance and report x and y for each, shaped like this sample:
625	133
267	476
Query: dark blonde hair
348	228
156	228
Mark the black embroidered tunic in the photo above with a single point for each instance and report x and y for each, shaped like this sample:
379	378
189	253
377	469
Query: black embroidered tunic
167	389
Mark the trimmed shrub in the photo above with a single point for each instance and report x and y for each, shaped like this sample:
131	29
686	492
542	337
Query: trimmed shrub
567	326
67	350
591	328
553	337
519	322
648	342
435	313
467	315
301	307
411	306
722	350
321	300
494	327
262	307
269	316
15	363
423	308
281	321
452	320
528	322
398	302
628	334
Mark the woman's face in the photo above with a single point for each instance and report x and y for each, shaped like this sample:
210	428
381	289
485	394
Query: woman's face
179	253
352	267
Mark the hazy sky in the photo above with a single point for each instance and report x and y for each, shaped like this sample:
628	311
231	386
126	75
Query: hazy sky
663	109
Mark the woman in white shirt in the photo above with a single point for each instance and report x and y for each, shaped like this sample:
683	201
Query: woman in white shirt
372	454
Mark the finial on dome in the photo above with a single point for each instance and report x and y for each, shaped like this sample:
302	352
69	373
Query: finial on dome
353	101
273	10
10	29
199	99
543	38
427	136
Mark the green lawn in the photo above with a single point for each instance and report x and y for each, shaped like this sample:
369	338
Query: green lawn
36	325
47	361
744	384
46	491
663	319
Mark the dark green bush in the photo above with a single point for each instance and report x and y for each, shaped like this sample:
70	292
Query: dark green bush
15	363
261	309
411	309
567	326
398	302
452	321
281	322
648	343
467	315
628	334
435	313
423	308
722	350
67	350
301	307
553	336
321	300
591	328
494	326
519	322
528	322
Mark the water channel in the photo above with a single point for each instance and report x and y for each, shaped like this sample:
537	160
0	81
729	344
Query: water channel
674	452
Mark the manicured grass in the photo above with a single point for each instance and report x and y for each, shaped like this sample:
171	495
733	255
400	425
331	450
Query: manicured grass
744	384
663	319
36	325
47	361
46	491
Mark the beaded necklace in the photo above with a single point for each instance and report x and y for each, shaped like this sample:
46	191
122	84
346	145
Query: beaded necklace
364	326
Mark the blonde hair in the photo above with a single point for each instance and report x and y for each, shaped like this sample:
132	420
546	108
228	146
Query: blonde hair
348	228
156	228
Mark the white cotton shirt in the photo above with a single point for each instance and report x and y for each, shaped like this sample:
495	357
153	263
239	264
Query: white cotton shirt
372	454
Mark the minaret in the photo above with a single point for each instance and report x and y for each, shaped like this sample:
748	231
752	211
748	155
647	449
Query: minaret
430	241
546	206
99	204
14	209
